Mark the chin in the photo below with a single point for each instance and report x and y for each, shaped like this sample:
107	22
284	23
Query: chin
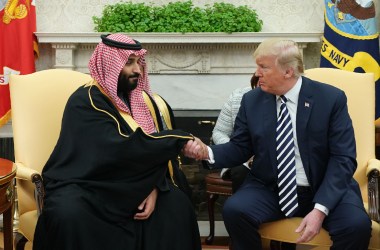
134	82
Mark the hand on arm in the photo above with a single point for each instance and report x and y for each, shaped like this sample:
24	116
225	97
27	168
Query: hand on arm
196	149
147	206
310	226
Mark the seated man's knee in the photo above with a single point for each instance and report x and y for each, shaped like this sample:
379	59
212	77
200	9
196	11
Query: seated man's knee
356	226
234	212
361	225
230	210
67	211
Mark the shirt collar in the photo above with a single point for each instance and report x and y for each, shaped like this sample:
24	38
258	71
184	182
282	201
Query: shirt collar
293	94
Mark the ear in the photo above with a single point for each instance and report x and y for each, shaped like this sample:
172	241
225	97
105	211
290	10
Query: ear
289	72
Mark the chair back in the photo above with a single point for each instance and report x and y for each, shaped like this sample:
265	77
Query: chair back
360	91
38	101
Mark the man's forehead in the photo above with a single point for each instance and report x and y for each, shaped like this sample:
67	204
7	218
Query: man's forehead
266	58
133	57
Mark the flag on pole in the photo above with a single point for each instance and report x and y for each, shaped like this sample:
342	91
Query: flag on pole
351	39
18	46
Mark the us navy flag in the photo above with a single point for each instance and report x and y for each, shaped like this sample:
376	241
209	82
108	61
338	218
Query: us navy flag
351	39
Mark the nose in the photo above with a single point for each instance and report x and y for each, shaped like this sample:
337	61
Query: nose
137	68
258	72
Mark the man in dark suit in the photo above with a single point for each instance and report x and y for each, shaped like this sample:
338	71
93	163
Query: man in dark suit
307	174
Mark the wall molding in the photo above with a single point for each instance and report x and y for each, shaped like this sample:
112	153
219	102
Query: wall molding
176	38
174	53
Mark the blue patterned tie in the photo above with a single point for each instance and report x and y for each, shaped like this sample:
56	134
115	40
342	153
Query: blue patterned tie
286	164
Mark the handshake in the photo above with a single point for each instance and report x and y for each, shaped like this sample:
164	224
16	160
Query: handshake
196	149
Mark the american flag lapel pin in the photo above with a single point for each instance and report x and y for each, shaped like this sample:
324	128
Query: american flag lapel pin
307	105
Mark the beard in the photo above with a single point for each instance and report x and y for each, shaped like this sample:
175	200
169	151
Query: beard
126	84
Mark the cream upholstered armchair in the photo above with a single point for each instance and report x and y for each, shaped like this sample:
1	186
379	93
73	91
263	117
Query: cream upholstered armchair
38	101
360	91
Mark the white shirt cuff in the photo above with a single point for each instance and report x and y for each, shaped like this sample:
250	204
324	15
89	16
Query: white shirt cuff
322	208
211	159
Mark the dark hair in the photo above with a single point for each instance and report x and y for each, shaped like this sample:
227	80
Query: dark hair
254	80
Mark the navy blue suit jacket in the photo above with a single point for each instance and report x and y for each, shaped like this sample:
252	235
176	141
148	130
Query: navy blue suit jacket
325	138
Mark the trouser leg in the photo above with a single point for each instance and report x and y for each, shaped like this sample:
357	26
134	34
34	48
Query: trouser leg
243	213
349	227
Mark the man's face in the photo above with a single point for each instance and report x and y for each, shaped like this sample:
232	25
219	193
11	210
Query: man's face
271	76
129	75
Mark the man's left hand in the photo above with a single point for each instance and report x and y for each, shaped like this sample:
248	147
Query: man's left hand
147	206
310	226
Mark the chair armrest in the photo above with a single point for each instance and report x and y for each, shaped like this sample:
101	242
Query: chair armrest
373	174
34	176
25	173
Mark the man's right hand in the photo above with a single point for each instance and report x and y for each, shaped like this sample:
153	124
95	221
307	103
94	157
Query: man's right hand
310	226
196	149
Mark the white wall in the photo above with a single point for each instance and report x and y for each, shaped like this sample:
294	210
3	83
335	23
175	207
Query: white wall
277	15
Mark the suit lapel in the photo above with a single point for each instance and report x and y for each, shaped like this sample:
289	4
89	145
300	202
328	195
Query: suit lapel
304	108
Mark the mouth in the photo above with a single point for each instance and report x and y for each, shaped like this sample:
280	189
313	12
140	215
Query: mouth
134	78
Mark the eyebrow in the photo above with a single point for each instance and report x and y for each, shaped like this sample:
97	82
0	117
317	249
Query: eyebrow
133	57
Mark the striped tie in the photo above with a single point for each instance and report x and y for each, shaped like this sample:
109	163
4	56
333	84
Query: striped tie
287	184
